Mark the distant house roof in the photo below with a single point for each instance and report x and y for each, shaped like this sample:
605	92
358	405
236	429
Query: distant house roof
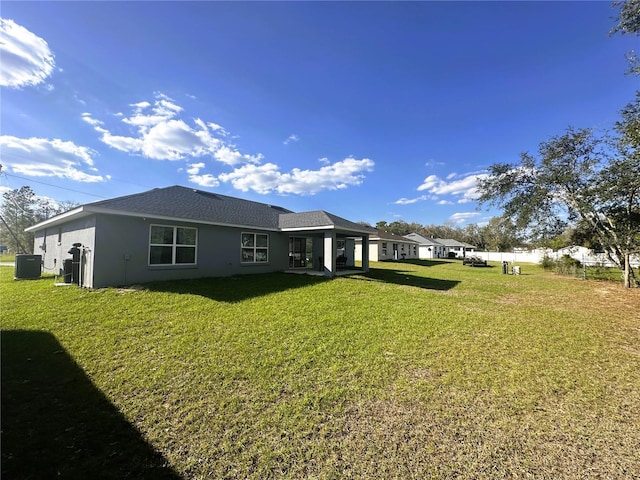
423	240
438	242
392	237
449	242
181	203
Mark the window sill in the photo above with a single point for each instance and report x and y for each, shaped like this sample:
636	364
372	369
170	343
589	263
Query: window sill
172	267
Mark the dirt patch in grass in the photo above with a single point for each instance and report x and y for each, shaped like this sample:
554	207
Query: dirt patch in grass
470	438
615	300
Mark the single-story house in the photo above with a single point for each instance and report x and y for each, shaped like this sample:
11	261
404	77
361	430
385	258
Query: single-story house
178	233
460	249
388	246
439	247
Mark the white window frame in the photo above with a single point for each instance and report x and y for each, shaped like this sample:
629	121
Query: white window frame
174	246
254	248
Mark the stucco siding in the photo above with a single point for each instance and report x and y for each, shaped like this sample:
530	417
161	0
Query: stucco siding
123	246
374	252
53	244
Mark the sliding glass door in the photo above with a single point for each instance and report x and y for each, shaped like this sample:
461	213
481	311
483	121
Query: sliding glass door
298	257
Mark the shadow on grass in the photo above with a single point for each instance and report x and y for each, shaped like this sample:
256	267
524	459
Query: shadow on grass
238	288
57	424
424	263
400	277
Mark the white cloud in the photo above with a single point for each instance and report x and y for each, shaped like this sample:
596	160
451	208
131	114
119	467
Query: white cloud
409	201
259	178
291	138
195	168
26	58
465	186
41	157
454	185
158	132
230	156
268	178
91	121
219	129
206	180
161	135
433	163
462	217
174	140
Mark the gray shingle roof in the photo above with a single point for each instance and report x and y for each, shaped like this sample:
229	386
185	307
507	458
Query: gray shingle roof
450	242
182	203
319	218
445	242
191	204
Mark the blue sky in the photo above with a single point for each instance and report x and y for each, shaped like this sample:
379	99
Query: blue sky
372	111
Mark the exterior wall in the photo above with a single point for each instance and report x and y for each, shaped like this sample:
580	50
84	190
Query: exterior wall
122	252
318	253
53	244
377	254
459	251
375	251
440	251
405	250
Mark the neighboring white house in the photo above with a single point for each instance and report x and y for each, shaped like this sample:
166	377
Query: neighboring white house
460	249
439	247
388	246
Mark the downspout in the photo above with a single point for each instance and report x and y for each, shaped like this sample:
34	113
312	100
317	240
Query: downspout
81	272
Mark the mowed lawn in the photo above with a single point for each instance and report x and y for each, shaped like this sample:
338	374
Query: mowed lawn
414	370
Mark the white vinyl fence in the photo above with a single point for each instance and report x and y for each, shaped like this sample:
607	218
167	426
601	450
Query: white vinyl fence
585	256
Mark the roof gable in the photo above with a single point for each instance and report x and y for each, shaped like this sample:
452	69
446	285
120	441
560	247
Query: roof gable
319	219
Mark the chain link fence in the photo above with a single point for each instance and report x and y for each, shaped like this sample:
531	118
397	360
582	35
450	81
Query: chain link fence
587	270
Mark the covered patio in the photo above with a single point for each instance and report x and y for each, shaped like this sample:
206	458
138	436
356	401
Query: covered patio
323	244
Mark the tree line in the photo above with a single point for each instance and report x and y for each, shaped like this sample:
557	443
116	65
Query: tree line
499	234
22	208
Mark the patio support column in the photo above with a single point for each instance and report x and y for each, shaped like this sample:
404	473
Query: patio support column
365	253
330	253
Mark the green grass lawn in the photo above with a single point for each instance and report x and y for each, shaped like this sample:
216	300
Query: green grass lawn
6	257
415	370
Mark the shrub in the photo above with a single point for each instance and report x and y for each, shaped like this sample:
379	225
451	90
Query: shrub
548	263
568	265
565	265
